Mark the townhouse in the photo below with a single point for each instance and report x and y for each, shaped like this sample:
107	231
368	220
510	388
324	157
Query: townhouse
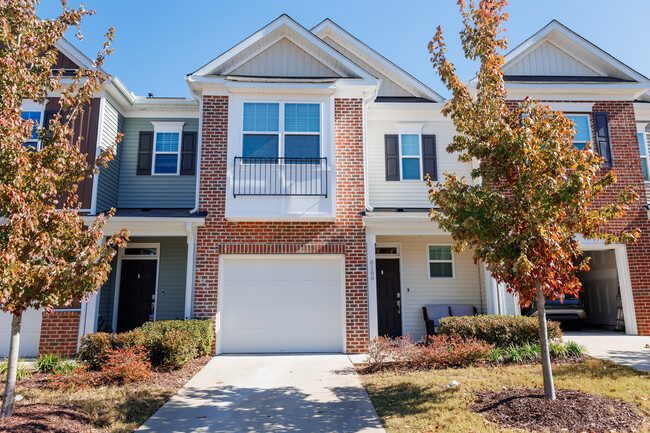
285	199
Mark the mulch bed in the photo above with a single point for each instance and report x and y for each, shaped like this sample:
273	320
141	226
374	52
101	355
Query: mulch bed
572	411
48	418
30	418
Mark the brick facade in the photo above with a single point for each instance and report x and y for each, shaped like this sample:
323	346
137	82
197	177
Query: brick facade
59	333
346	235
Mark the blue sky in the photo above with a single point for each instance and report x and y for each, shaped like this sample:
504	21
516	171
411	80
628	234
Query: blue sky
158	42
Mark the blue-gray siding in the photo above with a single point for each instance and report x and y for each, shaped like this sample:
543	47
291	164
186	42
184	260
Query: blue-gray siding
109	177
151	191
171	282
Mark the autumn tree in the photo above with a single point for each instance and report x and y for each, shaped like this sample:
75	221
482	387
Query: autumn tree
531	193
48	257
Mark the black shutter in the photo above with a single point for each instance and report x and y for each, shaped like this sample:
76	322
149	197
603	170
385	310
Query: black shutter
145	150
392	157
188	153
47	116
429	164
603	144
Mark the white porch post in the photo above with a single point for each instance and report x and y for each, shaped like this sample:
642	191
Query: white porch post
625	284
189	275
89	314
491	295
373	321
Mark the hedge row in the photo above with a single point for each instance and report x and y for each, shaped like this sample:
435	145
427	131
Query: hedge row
502	331
171	343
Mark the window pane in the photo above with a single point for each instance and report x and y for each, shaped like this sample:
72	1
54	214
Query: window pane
261	117
167	142
642	148
442	252
644	167
386	250
166	164
260	146
440	270
302	146
302	117
580	146
36	117
410	145
411	168
582	127
140	252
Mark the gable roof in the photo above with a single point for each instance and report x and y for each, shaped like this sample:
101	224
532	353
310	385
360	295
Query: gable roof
74	54
573	56
284	27
374	62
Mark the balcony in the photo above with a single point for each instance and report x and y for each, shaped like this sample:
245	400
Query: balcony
279	176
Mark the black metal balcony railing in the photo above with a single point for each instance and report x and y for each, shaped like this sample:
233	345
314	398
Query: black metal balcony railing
280	176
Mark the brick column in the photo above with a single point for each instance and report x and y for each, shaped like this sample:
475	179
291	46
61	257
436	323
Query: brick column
59	333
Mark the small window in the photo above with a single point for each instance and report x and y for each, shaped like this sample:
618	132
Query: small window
381	250
441	261
410	152
34	116
583	130
643	150
140	251
167	147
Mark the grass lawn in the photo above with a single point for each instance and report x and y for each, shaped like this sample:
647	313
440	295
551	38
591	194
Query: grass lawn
421	402
111	408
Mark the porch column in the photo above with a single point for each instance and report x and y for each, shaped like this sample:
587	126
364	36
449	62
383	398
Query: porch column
89	314
373	321
189	274
491	294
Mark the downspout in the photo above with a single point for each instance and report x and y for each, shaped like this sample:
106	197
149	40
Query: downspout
198	154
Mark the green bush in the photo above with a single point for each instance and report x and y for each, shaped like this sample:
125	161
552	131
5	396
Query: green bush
531	352
21	371
502	331
48	363
170	343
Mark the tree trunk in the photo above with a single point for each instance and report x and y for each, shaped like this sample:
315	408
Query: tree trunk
549	387
12	367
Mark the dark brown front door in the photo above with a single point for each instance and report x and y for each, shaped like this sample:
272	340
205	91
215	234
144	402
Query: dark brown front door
389	298
137	287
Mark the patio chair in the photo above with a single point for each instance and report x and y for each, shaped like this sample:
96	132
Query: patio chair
432	314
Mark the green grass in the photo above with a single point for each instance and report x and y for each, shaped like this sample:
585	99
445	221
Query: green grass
422	402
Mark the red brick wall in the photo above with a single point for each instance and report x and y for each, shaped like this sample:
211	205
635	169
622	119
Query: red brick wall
59	333
345	235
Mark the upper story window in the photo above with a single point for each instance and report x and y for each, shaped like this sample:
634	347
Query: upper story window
410	156
583	130
168	150
33	112
279	129
643	150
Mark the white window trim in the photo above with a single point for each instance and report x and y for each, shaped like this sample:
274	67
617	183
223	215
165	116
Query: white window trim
590	126
645	159
453	263
158	127
281	133
30	106
118	277
388	245
409	129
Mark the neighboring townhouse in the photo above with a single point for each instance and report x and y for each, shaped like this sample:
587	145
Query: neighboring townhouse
286	199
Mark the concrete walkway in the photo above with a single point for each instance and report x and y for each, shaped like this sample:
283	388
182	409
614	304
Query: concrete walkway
270	393
631	350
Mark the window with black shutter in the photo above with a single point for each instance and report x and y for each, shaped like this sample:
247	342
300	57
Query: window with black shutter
603	143
392	157
429	163
188	153
145	151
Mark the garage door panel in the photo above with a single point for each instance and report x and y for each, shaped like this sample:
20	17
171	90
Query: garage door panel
30	333
284	316
283	291
292	303
274	340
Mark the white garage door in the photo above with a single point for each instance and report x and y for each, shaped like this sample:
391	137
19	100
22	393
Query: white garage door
292	303
30	333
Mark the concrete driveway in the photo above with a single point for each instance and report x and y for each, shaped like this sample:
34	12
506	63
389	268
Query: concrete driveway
270	393
630	350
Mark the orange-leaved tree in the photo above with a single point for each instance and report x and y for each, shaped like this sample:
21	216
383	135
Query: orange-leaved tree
48	256
531	193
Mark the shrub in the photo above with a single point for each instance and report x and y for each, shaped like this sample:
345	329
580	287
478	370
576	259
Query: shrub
21	372
436	352
530	352
502	331
170	343
79	378
93	347
125	365
48	363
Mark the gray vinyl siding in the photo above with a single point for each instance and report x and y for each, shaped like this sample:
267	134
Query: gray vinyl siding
109	177
172	191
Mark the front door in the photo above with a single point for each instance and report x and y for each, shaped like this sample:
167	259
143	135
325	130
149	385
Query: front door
137	290
389	298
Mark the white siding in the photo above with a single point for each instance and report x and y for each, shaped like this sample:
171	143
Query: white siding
284	59
548	59
406	194
418	290
387	88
